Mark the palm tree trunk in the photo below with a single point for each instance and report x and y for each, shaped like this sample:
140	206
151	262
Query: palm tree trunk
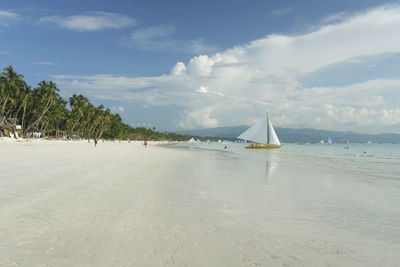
48	105
23	117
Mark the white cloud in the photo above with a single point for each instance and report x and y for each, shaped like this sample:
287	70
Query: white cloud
117	109
8	18
5	53
202	65
147	34
178	69
94	21
203	90
241	83
160	38
335	18
197	118
358	35
142	125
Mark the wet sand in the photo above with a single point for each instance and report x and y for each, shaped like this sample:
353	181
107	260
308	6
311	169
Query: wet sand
119	204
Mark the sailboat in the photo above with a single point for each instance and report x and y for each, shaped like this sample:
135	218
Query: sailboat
329	140
262	134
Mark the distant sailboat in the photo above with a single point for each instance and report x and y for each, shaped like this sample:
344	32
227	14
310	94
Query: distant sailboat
329	140
322	141
262	134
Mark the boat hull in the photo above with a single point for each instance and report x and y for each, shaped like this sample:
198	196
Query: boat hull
263	147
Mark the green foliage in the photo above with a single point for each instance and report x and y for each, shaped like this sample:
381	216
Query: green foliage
43	110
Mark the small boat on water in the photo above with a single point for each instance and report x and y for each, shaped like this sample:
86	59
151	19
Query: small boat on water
329	140
262	134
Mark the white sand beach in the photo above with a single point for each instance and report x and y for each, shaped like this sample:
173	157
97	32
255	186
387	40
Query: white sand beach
120	204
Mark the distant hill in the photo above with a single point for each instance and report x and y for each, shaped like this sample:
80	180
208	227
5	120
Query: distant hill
289	135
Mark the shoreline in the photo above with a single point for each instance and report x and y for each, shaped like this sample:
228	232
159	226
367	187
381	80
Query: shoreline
6	140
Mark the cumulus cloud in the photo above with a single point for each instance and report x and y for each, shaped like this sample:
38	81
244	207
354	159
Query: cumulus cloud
178	69
94	21
203	64
160	38
199	117
8	18
238	85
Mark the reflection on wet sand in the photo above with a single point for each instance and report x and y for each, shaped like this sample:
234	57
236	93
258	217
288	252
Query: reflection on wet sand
270	168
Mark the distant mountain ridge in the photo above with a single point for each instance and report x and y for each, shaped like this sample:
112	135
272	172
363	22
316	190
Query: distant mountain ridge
290	135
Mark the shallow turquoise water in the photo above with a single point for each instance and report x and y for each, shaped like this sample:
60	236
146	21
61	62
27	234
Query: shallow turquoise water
374	160
346	190
379	160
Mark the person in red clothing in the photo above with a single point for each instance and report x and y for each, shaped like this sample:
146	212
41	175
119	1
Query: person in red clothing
145	143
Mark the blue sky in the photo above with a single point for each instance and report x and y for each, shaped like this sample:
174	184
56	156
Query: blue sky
183	64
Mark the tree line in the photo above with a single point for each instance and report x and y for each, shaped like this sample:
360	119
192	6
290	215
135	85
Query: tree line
43	110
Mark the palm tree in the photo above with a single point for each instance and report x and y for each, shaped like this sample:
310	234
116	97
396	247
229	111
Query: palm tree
43	109
13	91
78	104
43	98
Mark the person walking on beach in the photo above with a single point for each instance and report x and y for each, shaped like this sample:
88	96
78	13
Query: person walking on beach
145	143
95	142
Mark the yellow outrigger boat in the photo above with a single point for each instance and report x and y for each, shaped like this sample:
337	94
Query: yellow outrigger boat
262	134
260	146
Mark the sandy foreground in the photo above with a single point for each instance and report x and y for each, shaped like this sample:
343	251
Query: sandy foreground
119	204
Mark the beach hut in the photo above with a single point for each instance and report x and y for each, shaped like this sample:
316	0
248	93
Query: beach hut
7	125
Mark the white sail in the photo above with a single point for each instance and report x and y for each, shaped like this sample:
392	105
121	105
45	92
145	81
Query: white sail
273	138
259	132
256	133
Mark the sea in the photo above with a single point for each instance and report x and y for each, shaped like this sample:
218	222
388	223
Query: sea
370	160
345	194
